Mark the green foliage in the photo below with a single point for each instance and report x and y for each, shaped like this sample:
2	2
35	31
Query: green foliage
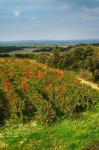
31	56
45	58
6	49
78	58
4	107
69	134
92	63
56	56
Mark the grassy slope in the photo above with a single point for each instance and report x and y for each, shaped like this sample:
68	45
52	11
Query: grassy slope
68	134
65	135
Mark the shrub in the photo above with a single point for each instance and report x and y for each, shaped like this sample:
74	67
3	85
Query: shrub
4	107
85	74
96	75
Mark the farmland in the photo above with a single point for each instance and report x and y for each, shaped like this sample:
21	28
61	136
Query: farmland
45	108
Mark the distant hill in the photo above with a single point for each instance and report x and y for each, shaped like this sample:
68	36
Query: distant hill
39	43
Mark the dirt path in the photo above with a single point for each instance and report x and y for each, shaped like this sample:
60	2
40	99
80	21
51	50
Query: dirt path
94	86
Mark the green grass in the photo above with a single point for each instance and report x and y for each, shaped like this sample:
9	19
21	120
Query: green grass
69	134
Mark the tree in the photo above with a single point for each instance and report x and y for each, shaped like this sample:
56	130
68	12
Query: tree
56	56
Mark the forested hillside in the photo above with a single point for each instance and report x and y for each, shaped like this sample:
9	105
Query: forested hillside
80	58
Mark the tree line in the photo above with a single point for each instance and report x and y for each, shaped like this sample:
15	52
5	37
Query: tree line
80	57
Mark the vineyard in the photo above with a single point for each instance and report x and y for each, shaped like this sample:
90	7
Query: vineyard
33	91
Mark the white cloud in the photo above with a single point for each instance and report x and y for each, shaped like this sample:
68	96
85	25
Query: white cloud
16	13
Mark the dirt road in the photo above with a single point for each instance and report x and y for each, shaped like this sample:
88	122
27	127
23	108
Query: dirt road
93	85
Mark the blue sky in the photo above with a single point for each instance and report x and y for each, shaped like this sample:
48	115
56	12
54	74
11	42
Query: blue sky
49	19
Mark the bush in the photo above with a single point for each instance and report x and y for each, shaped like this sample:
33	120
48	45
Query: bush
27	111
96	75
4	107
31	56
85	74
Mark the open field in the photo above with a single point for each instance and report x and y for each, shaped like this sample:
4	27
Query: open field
24	51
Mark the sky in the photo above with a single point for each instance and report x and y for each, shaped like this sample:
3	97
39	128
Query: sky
49	19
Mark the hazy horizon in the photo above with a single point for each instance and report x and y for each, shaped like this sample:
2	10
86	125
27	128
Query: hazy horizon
43	40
